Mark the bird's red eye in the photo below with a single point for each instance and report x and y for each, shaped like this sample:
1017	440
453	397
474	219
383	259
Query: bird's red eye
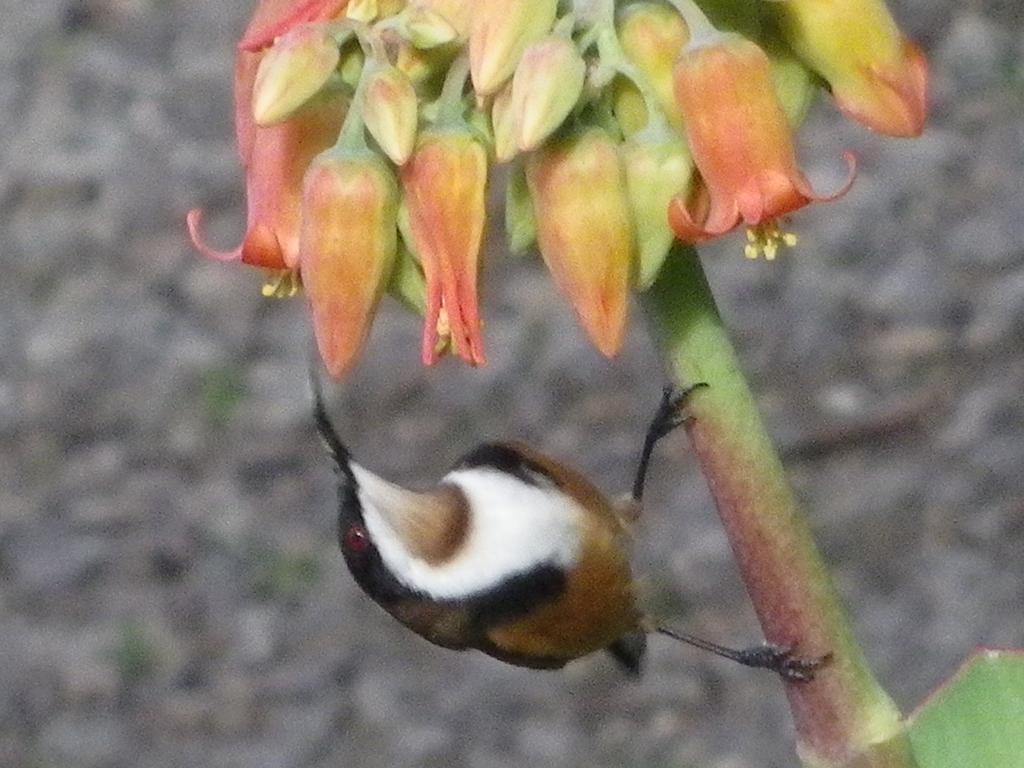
357	540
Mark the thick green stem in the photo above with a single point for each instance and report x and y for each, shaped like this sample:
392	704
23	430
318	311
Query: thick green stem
843	717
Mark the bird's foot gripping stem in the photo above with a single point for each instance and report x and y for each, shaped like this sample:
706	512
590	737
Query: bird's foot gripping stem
671	414
780	659
777	658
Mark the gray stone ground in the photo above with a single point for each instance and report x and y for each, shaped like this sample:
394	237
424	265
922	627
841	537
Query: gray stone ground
171	592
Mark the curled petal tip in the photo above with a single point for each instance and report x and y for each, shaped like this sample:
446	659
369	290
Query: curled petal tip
693	221
194	221
804	187
851	175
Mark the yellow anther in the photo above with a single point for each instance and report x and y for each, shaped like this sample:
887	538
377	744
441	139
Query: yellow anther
765	239
281	283
444	328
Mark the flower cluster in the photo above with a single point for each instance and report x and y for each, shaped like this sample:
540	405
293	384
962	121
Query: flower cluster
367	130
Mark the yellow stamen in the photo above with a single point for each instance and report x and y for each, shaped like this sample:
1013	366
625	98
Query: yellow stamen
444	331
765	239
281	283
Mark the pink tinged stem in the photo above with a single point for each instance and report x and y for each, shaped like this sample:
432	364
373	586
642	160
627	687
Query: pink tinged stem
843	717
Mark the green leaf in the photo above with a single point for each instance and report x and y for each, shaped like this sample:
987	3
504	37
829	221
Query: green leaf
976	719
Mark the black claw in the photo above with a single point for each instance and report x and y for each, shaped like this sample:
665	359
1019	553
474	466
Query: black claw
780	659
671	414
672	411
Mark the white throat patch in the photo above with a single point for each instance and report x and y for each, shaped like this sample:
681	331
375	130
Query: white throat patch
513	527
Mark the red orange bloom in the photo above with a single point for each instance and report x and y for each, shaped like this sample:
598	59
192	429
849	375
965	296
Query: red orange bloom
740	140
274	158
444	184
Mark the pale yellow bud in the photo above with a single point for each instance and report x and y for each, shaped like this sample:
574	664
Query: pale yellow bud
503	123
652	36
425	28
656	171
456	12
362	10
546	86
499	32
291	72
389	112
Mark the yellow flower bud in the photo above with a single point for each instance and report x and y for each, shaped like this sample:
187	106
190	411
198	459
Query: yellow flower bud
346	249
426	28
546	86
653	35
456	12
877	77
499	32
585	229
628	106
389	112
362	10
656	171
351	66
387	8
503	124
292	72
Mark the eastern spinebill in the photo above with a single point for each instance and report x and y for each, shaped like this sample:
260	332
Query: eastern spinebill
513	554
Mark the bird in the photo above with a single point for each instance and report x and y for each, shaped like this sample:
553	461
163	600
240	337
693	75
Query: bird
514	554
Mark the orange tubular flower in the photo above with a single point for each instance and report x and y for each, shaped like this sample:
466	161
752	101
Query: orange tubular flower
877	77
347	249
741	144
585	230
444	183
274	157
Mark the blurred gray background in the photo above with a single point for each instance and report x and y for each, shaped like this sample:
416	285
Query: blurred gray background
170	589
